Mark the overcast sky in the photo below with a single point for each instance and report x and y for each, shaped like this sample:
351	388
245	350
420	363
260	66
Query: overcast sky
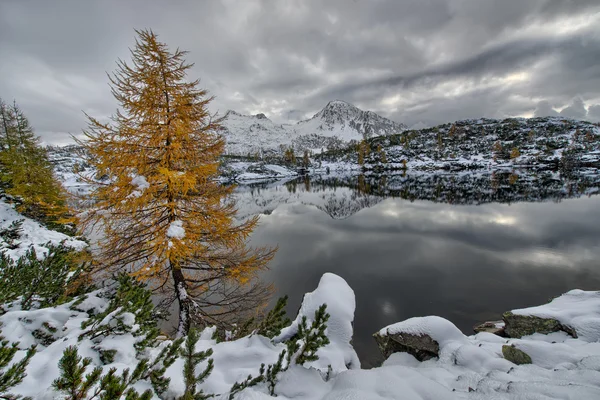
420	62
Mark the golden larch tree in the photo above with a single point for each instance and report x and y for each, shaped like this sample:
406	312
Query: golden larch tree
26	173
164	216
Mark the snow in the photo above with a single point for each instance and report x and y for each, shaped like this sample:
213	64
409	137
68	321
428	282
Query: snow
339	298
141	184
439	329
33	235
254	171
468	367
387	383
176	230
577	309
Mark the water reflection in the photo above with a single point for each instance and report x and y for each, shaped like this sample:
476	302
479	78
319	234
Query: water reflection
463	247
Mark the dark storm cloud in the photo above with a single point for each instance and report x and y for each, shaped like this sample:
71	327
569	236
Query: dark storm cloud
412	60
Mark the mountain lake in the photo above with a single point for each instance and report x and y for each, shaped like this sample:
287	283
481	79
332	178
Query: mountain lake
466	247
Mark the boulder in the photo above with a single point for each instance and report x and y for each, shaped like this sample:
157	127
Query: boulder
517	326
422	347
514	355
495	327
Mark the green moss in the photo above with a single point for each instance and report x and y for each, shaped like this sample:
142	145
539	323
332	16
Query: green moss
518	326
516	356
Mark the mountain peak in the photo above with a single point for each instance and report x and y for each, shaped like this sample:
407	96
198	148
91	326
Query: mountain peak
339	103
231	112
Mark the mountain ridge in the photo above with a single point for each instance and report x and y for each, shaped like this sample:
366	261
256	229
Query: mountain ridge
335	125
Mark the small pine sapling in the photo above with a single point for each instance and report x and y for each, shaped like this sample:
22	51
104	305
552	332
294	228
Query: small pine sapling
269	326
303	346
75	385
273	370
12	233
131	298
275	320
192	360
72	381
155	371
13	375
248	382
42	282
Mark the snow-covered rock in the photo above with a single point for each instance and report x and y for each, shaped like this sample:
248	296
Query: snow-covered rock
577	312
422	337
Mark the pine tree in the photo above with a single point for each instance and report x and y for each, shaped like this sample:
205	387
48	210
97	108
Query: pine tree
452	131
192	360
290	157
13	375
25	170
73	381
110	386
51	280
275	320
305	159
303	346
130	298
11	233
514	153
497	150
363	152
163	212
382	156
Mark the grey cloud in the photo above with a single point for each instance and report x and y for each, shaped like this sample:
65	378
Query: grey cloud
575	110
544	109
594	113
444	59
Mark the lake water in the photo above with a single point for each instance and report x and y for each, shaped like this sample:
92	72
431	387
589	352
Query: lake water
464	247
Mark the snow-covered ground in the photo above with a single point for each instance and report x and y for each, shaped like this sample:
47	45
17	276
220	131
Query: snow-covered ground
468	367
31	234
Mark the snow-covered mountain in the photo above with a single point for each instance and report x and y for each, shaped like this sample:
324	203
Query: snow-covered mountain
336	124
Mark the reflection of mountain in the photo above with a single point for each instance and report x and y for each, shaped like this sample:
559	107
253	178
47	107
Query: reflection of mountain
337	202
346	205
343	196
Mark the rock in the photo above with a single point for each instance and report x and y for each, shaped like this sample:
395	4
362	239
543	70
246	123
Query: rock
421	347
514	355
518	326
495	327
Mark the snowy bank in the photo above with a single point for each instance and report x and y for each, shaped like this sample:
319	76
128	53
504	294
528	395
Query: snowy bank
30	235
461	367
